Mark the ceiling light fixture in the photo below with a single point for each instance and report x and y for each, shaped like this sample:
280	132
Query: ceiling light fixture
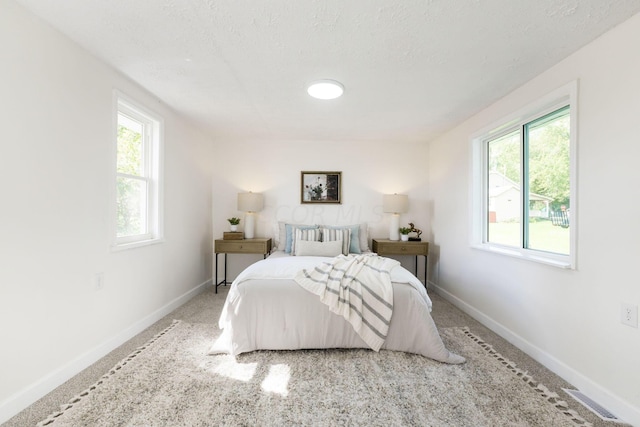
325	89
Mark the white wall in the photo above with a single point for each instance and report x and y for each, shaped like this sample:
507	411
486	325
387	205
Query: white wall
570	320
56	119
369	170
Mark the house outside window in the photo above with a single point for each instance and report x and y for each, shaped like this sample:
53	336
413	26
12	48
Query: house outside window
524	182
138	218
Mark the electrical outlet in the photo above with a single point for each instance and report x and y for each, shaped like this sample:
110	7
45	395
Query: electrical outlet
98	281
629	315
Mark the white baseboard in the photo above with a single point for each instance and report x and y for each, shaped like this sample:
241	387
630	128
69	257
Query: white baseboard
618	406
32	393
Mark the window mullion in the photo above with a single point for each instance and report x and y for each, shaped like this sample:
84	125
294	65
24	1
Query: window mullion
525	186
128	175
486	202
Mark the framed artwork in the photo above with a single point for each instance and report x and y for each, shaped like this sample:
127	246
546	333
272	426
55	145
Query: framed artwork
320	187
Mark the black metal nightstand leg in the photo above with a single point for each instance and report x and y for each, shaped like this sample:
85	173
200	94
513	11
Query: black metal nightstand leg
223	281
425	271
225	269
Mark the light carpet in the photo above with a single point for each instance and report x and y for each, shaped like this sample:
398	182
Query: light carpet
171	381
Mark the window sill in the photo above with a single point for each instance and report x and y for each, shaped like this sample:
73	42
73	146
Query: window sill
558	261
117	247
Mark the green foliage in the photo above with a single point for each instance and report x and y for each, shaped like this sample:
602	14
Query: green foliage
234	221
131	192
548	159
130	158
404	230
504	156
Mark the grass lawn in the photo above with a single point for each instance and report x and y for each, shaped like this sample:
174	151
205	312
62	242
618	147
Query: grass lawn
543	236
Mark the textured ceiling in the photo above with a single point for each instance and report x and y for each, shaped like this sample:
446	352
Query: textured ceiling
411	69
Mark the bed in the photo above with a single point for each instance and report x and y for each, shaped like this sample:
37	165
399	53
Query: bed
266	309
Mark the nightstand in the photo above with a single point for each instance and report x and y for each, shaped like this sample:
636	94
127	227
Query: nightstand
397	247
245	246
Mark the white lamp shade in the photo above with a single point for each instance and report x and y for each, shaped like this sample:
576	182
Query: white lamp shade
250	202
395	203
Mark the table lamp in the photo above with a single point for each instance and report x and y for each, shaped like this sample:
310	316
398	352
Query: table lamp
250	203
395	204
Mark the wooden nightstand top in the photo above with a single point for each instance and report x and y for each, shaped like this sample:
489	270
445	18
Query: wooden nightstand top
244	246
398	247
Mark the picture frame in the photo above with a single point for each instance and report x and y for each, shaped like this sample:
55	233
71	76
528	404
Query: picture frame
320	187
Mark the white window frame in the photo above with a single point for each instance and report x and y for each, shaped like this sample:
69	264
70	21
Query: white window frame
566	95
153	156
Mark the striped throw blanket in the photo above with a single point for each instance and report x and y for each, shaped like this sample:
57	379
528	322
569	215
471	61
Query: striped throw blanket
357	287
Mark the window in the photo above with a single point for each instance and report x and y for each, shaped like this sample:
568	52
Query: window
138	167
523	189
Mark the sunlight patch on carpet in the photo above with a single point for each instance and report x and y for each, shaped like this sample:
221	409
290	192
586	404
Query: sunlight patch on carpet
277	380
230	368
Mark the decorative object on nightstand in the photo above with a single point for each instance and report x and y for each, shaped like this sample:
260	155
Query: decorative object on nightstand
418	232
391	247
233	222
250	203
245	246
395	204
404	233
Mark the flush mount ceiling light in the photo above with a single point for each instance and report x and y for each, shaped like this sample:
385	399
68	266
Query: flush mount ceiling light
325	89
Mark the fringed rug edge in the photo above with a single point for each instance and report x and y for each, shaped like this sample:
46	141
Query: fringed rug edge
551	397
63	408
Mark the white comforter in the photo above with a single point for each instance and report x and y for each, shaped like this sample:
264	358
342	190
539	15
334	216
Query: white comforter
358	288
267	310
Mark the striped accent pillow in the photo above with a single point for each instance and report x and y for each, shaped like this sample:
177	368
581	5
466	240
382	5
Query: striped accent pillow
343	234
354	248
311	234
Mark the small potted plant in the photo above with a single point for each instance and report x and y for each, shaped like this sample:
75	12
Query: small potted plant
234	223
404	233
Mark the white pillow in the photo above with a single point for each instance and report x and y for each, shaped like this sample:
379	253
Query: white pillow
341	234
303	234
311	248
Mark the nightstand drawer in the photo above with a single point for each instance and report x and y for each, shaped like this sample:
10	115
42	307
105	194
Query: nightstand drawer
260	246
400	248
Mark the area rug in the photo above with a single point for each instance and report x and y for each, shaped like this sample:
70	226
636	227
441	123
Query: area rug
171	381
